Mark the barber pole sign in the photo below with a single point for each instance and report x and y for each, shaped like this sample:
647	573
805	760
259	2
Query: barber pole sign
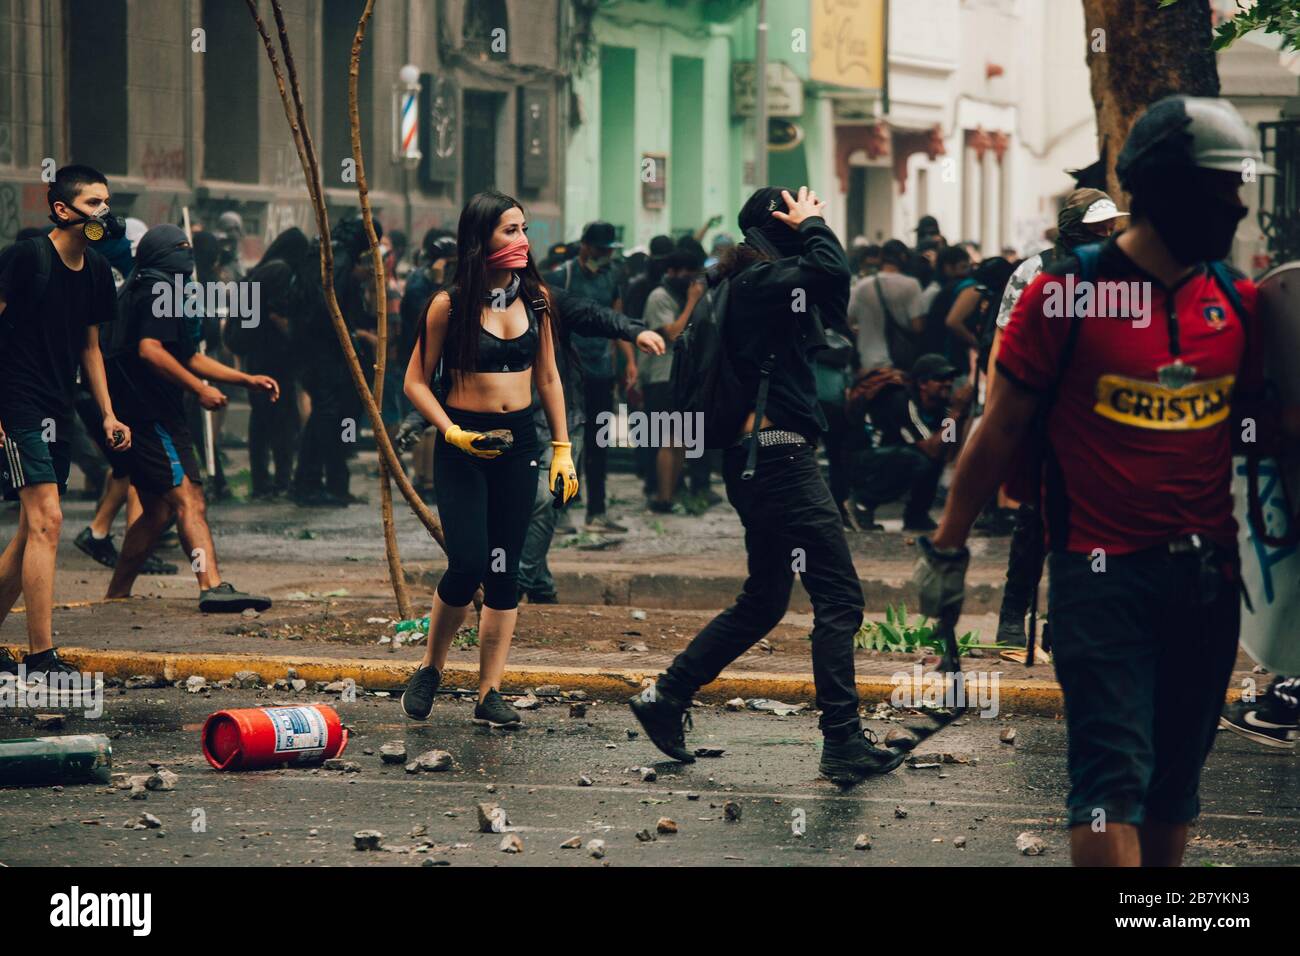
406	128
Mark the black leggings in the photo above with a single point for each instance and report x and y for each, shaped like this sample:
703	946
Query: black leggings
485	506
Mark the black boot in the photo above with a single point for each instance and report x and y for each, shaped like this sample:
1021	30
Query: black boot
665	720
851	759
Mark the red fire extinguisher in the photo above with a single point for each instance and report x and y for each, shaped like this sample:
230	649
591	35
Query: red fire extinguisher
253	738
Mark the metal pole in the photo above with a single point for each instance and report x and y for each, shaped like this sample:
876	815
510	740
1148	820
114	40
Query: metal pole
760	99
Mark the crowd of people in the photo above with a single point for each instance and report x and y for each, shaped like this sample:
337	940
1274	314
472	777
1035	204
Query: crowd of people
906	359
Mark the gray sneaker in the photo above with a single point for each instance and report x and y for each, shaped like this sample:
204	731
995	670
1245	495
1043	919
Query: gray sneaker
604	524
493	711
224	599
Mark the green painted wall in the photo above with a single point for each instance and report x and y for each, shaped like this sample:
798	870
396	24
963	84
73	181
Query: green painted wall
619	171
686	161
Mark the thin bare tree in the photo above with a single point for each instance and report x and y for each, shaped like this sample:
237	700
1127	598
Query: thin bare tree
296	114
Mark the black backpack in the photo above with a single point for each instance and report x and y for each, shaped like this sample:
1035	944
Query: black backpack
705	380
35	284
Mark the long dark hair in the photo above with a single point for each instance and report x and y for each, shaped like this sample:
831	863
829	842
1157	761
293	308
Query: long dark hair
737	258
469	287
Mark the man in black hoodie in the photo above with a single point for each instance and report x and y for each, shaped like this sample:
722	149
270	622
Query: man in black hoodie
788	277
152	364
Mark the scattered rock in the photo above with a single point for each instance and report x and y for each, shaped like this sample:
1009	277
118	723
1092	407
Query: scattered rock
666	825
731	810
345	766
162	779
736	703
150	821
527	702
297	685
578	710
247	680
572	843
633	647
649	775
336	687
633	734
48	721
777	707
900	813
250	612
1008	735
638	615
645	836
547	690
959	842
145	681
393	752
709	751
196	683
491	818
367	840
863	842
900	739
433	761
1029	845
584	781
596	848
692	796
512	844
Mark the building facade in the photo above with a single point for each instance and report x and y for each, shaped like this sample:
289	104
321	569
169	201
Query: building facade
176	102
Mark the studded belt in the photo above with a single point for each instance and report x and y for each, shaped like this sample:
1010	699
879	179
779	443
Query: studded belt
767	437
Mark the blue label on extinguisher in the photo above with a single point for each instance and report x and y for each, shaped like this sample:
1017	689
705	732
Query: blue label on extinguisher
298	730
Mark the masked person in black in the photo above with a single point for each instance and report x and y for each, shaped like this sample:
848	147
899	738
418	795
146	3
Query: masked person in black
788	271
153	363
273	425
335	408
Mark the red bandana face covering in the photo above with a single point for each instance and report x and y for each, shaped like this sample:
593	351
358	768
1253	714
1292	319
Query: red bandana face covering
513	255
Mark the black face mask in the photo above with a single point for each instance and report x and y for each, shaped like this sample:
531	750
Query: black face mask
99	229
678	284
1195	231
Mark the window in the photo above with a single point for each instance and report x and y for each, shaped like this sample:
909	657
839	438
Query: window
95	52
230	71
338	29
486	31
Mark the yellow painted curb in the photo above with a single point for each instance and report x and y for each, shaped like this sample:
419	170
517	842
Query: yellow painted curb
1040	698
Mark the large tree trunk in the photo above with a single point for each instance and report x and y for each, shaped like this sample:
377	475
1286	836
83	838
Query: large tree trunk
1146	52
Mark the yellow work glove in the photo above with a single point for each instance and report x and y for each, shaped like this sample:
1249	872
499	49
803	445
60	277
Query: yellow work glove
479	444
564	476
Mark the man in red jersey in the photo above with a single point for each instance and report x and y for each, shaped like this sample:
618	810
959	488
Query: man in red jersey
1135	365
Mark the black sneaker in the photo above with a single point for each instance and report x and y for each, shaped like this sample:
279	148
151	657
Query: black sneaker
493	711
61	678
866	518
9	669
224	599
542	597
100	549
155	565
665	721
855	758
417	699
1261	724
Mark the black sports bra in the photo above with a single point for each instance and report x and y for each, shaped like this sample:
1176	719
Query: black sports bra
509	355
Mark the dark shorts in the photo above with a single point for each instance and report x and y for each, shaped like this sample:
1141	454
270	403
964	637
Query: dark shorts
1144	652
161	456
28	459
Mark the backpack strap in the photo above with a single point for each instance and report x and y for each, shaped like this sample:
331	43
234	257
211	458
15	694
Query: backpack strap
760	407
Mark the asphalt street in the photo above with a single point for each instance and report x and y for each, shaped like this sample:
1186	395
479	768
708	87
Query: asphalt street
955	813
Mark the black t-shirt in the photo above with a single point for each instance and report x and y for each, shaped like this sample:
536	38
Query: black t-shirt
43	340
140	392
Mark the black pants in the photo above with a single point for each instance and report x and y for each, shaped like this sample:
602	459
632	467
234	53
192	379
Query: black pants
1024	564
324	453
791	524
485	505
898	471
598	395
272	427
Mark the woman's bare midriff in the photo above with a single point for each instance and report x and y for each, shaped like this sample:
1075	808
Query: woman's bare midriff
493	392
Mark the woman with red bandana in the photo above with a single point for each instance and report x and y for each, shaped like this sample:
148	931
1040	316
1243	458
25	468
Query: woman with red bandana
488	339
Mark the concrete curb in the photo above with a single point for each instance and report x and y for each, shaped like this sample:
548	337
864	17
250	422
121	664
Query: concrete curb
1040	698
709	592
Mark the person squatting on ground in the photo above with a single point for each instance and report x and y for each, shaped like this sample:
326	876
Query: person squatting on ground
152	365
493	337
790	519
1141	414
55	292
